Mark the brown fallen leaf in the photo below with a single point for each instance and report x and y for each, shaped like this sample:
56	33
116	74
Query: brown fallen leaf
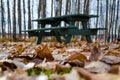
61	51
96	53
77	56
115	70
60	67
113	52
76	63
44	52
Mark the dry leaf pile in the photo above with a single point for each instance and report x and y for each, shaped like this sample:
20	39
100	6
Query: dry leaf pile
54	61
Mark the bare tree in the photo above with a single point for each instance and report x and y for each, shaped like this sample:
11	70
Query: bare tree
14	20
66	11
58	5
86	6
2	14
24	20
29	15
39	8
97	13
9	19
78	6
52	8
116	21
111	18
106	22
19	18
43	8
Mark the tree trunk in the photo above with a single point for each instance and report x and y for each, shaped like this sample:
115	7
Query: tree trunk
86	6
116	21
39	8
14	20
78	6
29	15
106	22
32	12
97	13
24	18
111	18
66	11
58	5
43	8
52	8
9	19
3	20
19	18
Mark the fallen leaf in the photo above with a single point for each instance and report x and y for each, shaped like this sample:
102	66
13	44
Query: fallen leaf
109	59
96	53
44	52
60	67
97	67
115	70
29	66
76	63
77	56
47	65
113	52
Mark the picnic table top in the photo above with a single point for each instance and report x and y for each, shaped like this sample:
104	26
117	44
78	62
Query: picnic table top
71	17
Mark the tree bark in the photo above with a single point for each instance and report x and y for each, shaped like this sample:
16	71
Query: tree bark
116	21
106	22
19	18
9	19
24	20
29	15
52	8
39	8
14	20
3	20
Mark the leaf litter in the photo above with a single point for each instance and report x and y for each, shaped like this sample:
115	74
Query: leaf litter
55	61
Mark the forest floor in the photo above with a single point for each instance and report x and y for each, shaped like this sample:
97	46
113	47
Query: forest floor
55	61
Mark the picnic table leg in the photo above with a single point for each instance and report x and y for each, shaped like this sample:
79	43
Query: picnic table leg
58	37
67	39
39	39
88	37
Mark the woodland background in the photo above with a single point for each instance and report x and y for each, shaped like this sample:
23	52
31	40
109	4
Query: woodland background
16	15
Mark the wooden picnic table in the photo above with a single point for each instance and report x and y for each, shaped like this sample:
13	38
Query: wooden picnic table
66	31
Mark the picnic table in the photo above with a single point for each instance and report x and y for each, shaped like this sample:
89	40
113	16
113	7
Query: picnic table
66	31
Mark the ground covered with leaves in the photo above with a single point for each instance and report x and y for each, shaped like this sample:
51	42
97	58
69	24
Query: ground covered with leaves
55	61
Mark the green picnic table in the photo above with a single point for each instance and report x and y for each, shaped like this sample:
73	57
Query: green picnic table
66	31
